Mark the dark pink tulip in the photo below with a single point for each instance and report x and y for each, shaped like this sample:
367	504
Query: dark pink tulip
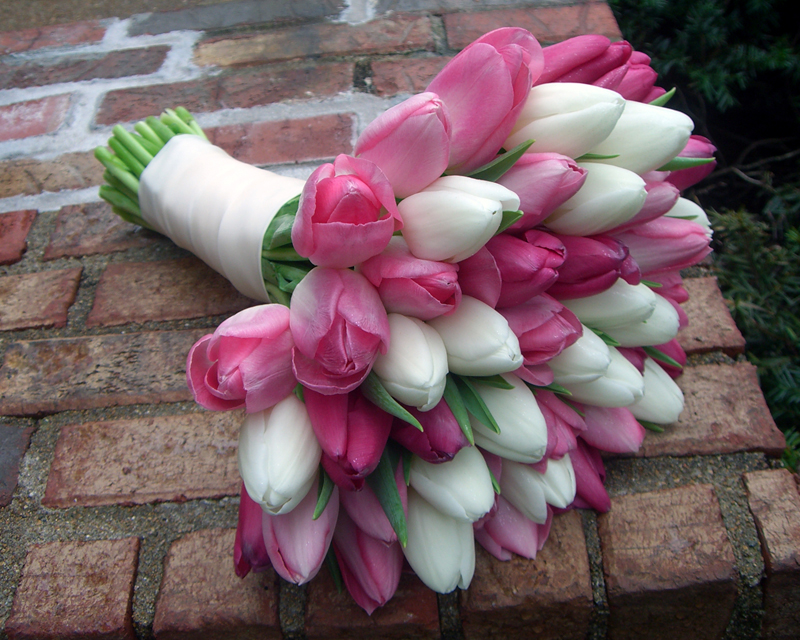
370	567
423	289
571	55
661	197
366	512
593	265
347	213
409	142
296	543
590	474
352	432
674	350
539	375
638	83
612	429
479	277
697	147
666	244
246	362
249	552
440	439
509	531
339	326
635	355
484	88
543	182
562	423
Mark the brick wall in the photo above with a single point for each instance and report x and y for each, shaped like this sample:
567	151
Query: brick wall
118	497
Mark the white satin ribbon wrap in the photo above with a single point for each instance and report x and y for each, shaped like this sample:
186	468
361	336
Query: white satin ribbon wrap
214	206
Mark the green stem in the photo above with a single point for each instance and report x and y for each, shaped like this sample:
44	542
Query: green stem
134	166
120	200
120	186
163	131
130	143
110	163
146	132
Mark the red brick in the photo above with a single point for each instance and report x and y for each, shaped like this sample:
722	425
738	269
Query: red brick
76	68
169	458
239	89
88	229
549	598
32	118
46	376
39	299
162	290
76	590
668	564
15	442
288	140
54	36
711	326
548	24
775	503
724	412
394	34
201	598
412	613
405	75
25	177
14	227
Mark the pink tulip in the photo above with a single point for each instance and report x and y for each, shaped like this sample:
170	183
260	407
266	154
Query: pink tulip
661	197
666	244
249	551
296	543
246	362
593	265
485	87
589	478
339	326
672	289
352	432
638	83
479	277
543	182
365	510
674	350
410	143
347	213
370	567
635	355
440	439
509	531
612	429
423	289
562	423
697	147
571	55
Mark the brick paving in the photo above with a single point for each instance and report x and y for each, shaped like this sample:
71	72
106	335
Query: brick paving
118	497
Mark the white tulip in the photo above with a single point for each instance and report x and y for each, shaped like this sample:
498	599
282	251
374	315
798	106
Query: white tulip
585	360
455	216
440	549
461	488
413	370
620	386
609	197
523	431
663	400
278	455
478	340
645	137
531	491
688	210
619	306
566	118
662	326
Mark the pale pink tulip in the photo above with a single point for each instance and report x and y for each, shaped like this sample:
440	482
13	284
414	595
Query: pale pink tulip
612	429
296	543
409	142
249	552
246	362
365	509
697	147
440	439
418	288
543	182
562	424
485	87
347	213
339	326
593	265
509	531
590	475
370	567
352	432
666	244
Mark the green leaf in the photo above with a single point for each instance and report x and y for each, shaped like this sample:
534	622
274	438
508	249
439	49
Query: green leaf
279	231
290	275
452	397
382	482
509	218
678	163
475	404
407	456
298	391
495	483
663	99
497	381
324	492
555	388
377	394
660	356
652	285
333	566
651	426
588	157
605	337
495	169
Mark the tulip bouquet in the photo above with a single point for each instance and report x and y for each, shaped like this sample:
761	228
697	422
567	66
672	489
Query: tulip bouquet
459	318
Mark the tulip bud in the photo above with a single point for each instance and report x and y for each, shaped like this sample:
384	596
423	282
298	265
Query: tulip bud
660	327
585	360
249	551
480	277
696	147
454	217
609	197
278	455
566	118
461	488
562	424
441	436
589	478
409	142
440	549
688	210
413	370
638	83
672	349
663	400
612	429
531	491
568	55
661	197
366	511
620	306
620	386
508	530
478	340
